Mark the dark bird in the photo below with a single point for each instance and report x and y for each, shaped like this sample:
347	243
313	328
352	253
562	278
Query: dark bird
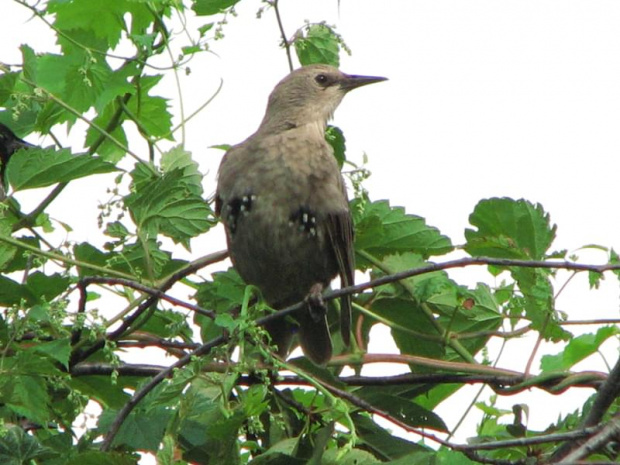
284	206
9	144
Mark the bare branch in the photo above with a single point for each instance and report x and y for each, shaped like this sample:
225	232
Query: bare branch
608	433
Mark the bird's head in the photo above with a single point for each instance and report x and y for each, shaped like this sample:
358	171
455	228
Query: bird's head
310	95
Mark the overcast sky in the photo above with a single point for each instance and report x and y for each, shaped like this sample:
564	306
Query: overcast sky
484	98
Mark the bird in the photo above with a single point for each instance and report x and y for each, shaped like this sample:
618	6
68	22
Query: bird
284	205
9	144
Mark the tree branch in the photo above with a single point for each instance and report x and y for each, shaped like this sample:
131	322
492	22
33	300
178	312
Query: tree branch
459	263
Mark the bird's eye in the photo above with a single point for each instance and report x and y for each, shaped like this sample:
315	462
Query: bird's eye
322	80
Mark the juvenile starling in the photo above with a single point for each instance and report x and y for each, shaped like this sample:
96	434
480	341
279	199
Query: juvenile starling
284	206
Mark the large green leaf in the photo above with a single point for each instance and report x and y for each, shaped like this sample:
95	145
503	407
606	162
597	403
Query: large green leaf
107	23
33	168
518	229
384	230
508	228
577	349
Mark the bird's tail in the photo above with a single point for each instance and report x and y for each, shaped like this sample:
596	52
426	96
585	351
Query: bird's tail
314	337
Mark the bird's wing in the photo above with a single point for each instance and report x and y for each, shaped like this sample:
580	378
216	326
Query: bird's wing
340	233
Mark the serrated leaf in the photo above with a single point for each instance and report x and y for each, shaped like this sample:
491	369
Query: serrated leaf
384	230
319	44
508	228
151	111
594	279
116	229
34	168
78	14
222	294
18	447
577	349
178	158
142	429
166	205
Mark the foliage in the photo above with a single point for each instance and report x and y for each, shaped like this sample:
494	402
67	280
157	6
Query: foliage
61	352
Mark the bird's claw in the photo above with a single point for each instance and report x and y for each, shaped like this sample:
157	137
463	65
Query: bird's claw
316	304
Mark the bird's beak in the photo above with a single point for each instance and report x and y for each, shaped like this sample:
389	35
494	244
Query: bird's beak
352	81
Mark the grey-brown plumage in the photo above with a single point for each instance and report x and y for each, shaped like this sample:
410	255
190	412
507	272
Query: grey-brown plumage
284	205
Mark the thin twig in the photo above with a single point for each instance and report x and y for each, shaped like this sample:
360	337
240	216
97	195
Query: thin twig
149	290
285	41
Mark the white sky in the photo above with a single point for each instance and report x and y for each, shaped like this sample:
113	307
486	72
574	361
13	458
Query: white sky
485	98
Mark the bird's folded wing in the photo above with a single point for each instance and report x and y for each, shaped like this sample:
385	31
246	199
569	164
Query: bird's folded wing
340	233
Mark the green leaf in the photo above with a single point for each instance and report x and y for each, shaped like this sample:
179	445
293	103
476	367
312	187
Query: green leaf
7	251
108	150
168	206
383	230
212	7
47	287
23	388
319	44
577	349
518	229
137	259
403	409
19	448
381	441
335	138
142	429
12	293
59	350
34	168
151	111
509	228
178	158
7	86
107	23
116	229
222	294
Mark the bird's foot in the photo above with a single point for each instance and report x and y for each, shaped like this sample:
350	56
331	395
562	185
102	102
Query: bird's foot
315	302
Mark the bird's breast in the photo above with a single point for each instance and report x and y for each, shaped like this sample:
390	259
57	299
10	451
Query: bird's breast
274	206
